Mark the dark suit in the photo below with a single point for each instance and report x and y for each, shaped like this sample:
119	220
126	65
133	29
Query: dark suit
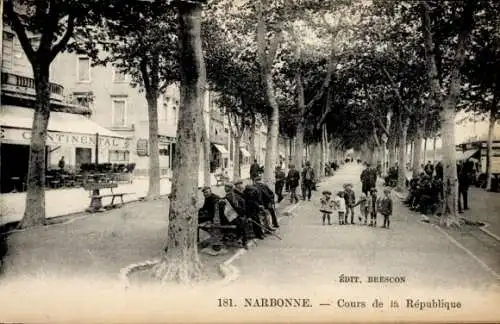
267	197
207	211
237	202
252	207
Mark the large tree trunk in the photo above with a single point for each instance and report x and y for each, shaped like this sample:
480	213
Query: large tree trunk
266	58
448	111
154	152
425	150
34	213
324	149
272	138
417	151
434	140
299	142
403	131
316	158
252	131
392	153
181	261
236	161
450	182
489	148
207	178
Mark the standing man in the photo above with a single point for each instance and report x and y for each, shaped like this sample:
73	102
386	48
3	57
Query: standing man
307	181
61	163
280	182
439	170
293	182
267	197
365	179
254	170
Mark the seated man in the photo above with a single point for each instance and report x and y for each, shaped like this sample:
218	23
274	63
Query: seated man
413	192
207	211
267	196
235	213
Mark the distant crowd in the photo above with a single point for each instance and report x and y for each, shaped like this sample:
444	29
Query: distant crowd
426	189
249	211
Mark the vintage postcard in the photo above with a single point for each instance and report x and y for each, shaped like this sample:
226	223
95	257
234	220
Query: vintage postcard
249	161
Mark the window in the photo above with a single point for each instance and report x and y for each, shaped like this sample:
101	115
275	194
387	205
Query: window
7	51
119	77
85	99
118	156
165	150
83	69
119	111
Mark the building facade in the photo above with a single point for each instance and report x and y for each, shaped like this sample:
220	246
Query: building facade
71	134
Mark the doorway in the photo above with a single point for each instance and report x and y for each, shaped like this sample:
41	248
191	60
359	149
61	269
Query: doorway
14	167
82	156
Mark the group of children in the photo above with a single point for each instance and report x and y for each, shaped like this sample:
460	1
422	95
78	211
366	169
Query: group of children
345	202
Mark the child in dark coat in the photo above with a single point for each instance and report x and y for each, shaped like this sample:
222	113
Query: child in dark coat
350	201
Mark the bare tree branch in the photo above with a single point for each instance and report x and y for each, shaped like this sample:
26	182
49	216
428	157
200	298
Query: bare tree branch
65	39
326	82
143	66
395	90
20	30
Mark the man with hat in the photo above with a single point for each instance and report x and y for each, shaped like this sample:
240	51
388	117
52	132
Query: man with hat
307	181
252	205
280	182
234	211
207	211
267	198
293	182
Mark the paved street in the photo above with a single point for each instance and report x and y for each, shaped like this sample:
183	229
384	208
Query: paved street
314	256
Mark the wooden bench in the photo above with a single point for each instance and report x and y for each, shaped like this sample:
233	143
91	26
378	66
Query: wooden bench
113	196
95	196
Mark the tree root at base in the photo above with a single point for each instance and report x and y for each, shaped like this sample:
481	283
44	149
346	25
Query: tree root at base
179	271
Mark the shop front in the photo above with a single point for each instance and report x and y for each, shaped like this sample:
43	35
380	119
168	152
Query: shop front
219	158
71	138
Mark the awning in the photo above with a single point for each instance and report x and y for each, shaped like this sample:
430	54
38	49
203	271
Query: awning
244	152
465	155
63	129
221	148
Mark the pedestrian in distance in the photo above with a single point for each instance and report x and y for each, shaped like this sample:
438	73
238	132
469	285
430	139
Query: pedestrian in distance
385	207
340	207
350	201
327	205
254	170
293	179
280	182
373	207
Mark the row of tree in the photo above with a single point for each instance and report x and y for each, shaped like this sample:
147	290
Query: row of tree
331	74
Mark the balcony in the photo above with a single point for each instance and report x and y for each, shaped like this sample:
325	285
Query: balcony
24	87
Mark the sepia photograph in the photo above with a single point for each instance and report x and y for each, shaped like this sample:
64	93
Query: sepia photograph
249	161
